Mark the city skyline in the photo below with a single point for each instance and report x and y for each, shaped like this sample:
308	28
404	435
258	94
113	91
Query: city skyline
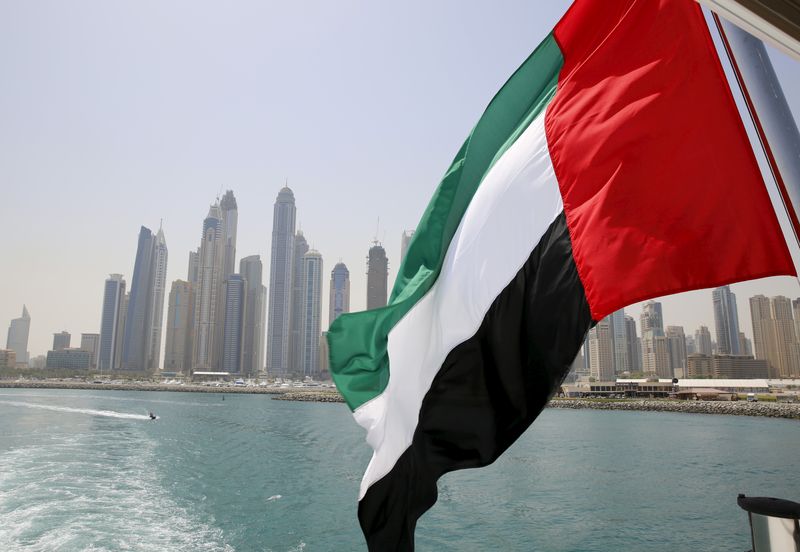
131	132
657	349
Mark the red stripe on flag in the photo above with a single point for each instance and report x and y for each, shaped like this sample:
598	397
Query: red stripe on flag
662	192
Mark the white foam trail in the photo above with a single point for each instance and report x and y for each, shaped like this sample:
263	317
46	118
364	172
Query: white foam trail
116	398
105	413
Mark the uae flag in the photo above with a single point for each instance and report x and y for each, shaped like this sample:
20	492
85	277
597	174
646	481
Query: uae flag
612	167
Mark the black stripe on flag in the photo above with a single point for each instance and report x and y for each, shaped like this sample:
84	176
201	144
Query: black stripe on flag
489	389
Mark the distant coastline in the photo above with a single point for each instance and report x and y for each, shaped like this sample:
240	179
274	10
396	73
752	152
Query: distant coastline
732	408
329	395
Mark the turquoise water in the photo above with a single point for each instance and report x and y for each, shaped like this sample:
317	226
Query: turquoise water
86	470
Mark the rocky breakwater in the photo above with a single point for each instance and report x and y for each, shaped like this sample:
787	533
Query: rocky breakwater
736	408
136	386
331	396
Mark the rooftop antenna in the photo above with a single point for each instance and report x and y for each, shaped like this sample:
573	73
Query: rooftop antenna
377	231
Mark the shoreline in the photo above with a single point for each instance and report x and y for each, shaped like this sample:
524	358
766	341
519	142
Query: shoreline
140	386
789	411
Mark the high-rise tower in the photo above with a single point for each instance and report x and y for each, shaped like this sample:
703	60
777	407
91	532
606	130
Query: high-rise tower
160	255
601	351
194	266
141	346
296	313
230	220
676	348
311	313
250	269
655	352
652	319
111	323
137	327
339	292
280	283
619	336
180	321
233	339
207	301
785	338
726	321
774	338
702	341
17	339
633	344
377	276
405	239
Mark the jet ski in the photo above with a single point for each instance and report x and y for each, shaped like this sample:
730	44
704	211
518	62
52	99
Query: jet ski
152	416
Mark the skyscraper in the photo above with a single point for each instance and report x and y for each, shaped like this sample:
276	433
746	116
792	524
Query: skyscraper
377	276
123	316
230	220
141	348
111	322
207	315
655	354
194	266
61	340
324	353
655	357
601	351
160	255
652	319
786	342
296	312
180	323
676	346
339	292
691	347
634	346
774	337
233	339
17	339
726	321
745	345
405	239
312	313
619	337
280	283
137	330
702	341
250	269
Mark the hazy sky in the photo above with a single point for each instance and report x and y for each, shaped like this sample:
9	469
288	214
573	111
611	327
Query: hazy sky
115	115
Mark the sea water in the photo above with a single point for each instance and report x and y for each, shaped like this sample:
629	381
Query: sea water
88	470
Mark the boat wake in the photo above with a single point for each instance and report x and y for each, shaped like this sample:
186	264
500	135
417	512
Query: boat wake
89	411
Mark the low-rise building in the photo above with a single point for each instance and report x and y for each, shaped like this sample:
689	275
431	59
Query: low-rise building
211	376
8	358
69	359
726	366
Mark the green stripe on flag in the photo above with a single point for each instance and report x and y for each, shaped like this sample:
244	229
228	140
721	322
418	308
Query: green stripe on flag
358	359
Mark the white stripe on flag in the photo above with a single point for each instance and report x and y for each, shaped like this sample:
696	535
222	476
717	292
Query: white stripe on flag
512	209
